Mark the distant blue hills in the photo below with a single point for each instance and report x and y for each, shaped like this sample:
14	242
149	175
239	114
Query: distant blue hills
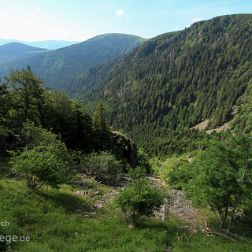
47	44
62	68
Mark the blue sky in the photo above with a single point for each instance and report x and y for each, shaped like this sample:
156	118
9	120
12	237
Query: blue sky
81	19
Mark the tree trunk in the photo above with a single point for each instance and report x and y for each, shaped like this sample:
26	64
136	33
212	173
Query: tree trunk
223	218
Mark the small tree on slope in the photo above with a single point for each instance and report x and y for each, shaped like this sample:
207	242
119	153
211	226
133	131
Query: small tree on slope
139	199
222	177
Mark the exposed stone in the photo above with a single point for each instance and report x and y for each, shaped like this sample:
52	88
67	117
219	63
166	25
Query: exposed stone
176	204
179	205
100	205
124	147
169	249
97	193
81	193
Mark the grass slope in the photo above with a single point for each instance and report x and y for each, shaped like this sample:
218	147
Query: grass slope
62	220
51	219
59	220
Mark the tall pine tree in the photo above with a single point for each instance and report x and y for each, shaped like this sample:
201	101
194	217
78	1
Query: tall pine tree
101	129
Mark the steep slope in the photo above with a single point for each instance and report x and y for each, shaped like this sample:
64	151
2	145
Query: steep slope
61	68
243	120
17	51
177	80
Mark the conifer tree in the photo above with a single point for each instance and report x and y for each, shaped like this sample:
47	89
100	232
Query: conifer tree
101	129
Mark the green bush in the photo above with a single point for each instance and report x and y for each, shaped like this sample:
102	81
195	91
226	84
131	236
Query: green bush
42	165
45	159
221	177
103	166
179	176
173	170
143	161
139	199
33	136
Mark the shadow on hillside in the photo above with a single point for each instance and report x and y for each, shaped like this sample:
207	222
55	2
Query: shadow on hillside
241	227
70	203
170	227
4	167
170	223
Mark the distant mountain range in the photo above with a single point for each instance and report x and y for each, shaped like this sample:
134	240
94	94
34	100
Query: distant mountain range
16	51
47	44
62	67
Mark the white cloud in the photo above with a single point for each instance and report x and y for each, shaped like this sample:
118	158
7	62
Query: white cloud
120	13
196	19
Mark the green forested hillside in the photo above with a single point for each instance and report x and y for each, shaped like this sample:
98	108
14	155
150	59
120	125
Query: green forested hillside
23	99
61	68
176	80
72	181
243	120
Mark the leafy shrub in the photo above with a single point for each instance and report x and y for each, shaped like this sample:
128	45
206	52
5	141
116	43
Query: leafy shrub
43	161
143	161
179	176
33	136
138	172
139	199
42	165
221	177
173	170
103	166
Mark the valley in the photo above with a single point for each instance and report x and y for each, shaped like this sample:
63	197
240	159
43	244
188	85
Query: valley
121	143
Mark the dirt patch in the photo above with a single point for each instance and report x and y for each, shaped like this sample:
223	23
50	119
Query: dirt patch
202	126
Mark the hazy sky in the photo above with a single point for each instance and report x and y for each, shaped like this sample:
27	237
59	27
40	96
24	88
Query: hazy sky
82	19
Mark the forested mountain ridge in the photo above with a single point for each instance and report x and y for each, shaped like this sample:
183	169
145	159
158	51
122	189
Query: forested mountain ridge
177	80
17	51
60	68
